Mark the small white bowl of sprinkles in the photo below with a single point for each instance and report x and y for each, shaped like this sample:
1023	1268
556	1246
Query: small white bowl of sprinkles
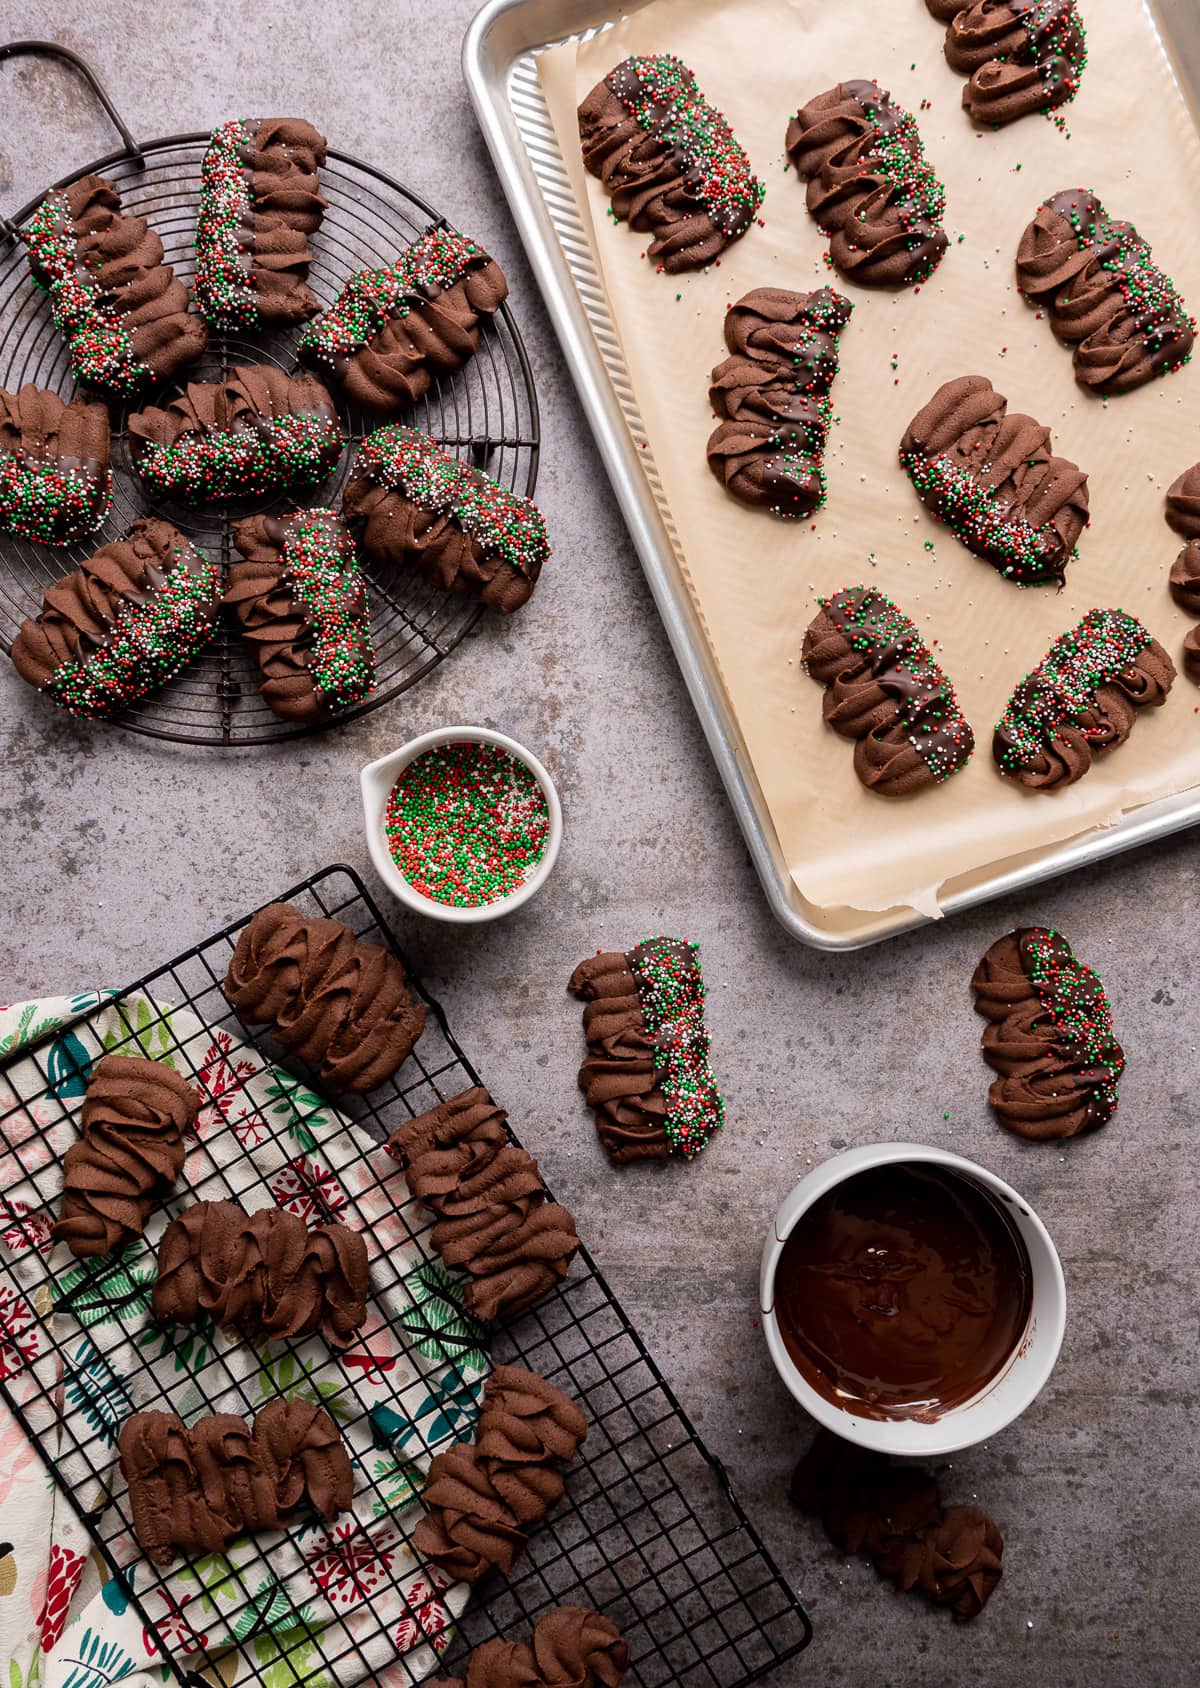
463	824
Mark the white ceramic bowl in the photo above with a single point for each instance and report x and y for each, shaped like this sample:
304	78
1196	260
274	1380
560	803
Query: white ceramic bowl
377	780
1006	1395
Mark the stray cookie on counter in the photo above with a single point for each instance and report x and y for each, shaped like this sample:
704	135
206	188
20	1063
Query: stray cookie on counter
1050	1037
647	1074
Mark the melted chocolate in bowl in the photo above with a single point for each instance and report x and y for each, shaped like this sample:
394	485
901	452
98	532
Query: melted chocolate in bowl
903	1291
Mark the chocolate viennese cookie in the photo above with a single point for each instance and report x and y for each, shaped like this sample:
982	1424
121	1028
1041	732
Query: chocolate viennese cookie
198	1487
264	1271
55	475
991	477
1049	1037
116	301
413	505
485	1497
1081	700
646	1073
495	1221
1183	514
340	1004
773	393
884	690
260	200
393	330
301	602
1105	297
123	623
135	1113
894	1515
571	1647
1021	56
668	161
256	431
870	186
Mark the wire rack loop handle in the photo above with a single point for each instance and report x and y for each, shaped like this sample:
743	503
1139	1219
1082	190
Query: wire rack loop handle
51	50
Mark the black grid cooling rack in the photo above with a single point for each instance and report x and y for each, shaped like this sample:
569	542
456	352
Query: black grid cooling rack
649	1532
487	412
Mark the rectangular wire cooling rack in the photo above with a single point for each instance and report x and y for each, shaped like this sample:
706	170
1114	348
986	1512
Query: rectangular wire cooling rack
649	1532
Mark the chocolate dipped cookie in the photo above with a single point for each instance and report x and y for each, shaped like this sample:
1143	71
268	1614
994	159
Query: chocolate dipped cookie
991	476
264	1272
393	331
1049	1036
1183	514
646	1074
884	690
301	603
260	201
870	187
342	1005
257	431
484	1498
122	624
1081	700
894	1516
411	504
571	1647
668	161
197	1488
116	301
55	477
135	1114
495	1220
772	392
1104	295
1020	56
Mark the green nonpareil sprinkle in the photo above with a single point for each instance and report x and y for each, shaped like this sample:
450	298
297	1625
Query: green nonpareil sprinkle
671	990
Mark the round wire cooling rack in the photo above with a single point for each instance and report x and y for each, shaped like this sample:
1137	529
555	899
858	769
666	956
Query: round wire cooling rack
487	412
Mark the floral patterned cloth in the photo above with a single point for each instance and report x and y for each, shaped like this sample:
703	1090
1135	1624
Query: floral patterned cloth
81	1335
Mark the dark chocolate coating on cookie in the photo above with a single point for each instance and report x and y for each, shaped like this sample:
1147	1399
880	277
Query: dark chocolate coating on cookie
884	691
1104	296
1050	1036
870	187
991	476
1021	56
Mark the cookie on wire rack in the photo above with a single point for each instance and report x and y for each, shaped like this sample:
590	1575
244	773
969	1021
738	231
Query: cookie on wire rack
116	301
55	475
412	505
260	201
571	1647
393	330
301	604
121	625
256	431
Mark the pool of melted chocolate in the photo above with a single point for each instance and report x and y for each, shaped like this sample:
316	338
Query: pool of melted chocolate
903	1291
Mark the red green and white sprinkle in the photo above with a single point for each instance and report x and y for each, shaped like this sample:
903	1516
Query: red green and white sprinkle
153	637
962	499
432	265
54	505
501	522
466	824
661	93
224	287
322	573
1075	1000
101	346
671	989
279	451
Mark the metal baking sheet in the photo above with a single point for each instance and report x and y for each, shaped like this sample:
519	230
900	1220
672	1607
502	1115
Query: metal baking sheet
499	56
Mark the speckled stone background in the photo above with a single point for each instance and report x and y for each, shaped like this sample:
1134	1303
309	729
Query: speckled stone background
118	852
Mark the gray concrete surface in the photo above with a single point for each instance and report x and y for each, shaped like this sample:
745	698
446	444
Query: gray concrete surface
117	853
